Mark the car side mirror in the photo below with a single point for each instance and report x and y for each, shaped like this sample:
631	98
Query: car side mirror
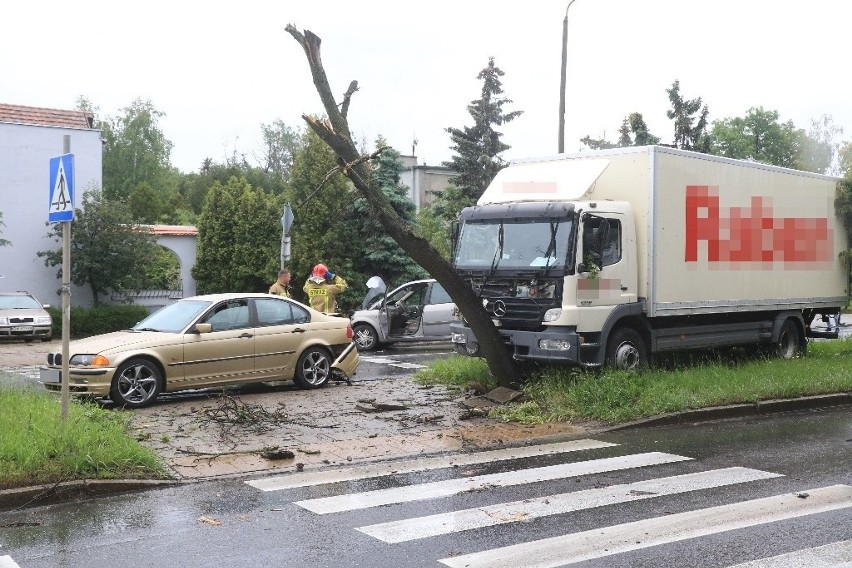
203	327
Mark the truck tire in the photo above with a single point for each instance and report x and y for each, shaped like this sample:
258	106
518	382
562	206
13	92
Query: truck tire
626	350
789	344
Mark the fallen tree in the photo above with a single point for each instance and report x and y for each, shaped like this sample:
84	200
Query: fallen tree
334	131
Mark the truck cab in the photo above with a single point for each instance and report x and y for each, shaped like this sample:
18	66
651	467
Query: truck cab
549	274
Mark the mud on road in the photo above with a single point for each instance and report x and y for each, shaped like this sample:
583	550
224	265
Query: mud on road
276	428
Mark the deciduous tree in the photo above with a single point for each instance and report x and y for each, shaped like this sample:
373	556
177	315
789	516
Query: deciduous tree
3	242
281	143
135	150
820	147
758	136
108	252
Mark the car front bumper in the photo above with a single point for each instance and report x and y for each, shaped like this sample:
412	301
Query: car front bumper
83	382
26	331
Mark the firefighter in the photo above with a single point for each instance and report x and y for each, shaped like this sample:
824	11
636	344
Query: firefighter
322	289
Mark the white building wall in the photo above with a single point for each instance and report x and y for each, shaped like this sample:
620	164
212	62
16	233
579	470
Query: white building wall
25	152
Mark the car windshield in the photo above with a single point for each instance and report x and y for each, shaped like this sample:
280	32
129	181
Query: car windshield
516	244
19	303
173	318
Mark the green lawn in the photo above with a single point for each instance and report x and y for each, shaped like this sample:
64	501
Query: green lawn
36	447
690	382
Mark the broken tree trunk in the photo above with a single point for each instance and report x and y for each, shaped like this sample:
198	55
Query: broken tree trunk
334	131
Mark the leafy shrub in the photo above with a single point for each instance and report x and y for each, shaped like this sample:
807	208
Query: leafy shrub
102	319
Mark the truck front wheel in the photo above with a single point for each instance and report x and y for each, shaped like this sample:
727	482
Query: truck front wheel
626	350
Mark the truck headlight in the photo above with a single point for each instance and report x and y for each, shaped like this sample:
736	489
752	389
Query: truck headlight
552	314
554	344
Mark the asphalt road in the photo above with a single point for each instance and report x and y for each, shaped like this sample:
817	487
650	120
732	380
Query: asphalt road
708	495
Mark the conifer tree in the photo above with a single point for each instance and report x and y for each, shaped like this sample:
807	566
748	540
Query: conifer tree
381	254
477	148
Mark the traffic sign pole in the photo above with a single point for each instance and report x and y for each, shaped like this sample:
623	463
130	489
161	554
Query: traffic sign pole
65	394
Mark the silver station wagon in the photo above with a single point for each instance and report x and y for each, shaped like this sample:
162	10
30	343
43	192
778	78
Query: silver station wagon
420	310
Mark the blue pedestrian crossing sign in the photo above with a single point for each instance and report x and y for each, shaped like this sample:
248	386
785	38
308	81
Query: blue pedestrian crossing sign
61	203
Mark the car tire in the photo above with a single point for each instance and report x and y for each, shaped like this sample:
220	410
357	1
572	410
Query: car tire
313	369
366	337
136	383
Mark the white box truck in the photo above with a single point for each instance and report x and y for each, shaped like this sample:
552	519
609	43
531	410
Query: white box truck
609	257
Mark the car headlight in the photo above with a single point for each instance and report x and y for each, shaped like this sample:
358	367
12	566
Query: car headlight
93	359
4	321
42	320
552	314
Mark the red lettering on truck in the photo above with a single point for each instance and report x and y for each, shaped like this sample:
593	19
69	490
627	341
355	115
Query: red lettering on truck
752	234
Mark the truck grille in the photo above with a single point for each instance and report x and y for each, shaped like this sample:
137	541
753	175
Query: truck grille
519	313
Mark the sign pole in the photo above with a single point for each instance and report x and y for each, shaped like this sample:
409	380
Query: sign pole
65	394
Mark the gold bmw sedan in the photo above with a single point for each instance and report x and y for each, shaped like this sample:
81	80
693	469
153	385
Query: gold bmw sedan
209	341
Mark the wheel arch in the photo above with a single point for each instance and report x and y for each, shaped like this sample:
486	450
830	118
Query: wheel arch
783	317
147	357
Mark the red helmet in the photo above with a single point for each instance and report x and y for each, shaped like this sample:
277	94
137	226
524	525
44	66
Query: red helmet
319	271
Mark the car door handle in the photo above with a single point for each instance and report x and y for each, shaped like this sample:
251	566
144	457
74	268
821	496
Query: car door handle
246	335
299	330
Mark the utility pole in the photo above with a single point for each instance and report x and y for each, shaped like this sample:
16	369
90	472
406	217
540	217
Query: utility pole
562	84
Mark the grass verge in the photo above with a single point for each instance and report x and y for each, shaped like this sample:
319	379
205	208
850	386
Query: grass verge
36	447
677	384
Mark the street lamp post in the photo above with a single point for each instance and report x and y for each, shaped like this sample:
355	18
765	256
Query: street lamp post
562	84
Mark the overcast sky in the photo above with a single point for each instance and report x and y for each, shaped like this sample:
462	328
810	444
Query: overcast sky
220	69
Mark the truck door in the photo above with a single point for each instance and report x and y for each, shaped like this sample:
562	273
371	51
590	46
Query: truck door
607	274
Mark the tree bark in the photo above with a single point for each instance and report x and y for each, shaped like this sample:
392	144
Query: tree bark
334	131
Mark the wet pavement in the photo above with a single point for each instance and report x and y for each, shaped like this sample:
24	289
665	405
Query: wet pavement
383	415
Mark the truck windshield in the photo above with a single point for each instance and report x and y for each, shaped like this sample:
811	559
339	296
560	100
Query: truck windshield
514	244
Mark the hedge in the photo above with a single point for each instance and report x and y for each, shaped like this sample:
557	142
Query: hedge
102	319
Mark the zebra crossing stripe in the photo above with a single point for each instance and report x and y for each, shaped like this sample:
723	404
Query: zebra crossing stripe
392	362
616	539
7	562
309	478
528	509
352	501
834	555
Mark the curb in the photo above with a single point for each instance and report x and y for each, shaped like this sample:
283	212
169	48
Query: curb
37	495
739	411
